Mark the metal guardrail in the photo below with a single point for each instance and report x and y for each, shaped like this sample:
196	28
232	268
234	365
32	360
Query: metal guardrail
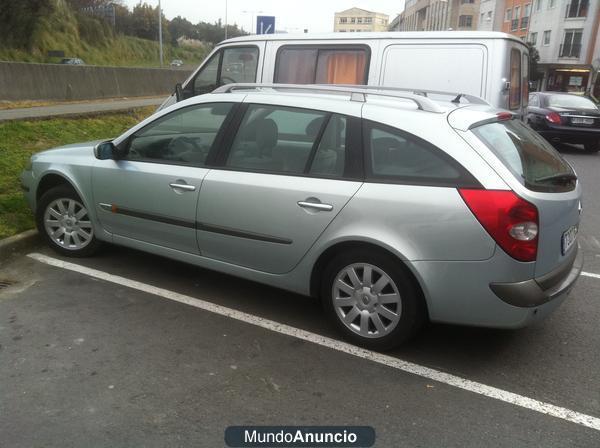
358	93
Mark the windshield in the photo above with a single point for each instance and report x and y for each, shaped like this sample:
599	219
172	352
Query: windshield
531	159
570	101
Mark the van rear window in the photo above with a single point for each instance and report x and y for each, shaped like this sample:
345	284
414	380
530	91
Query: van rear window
313	65
533	161
515	79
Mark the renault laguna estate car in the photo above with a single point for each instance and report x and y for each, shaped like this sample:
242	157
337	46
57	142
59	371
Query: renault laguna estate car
394	208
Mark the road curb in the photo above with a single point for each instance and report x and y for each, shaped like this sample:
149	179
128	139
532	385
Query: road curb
13	244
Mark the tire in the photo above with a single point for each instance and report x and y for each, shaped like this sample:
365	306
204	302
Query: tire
65	224
592	147
358	297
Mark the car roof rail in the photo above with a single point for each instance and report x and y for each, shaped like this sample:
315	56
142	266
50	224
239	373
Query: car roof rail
424	92
357	93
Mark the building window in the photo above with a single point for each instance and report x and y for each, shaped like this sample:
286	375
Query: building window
546	38
343	19
368	20
533	38
538	5
517	12
352	19
571	46
551	4
359	20
462	2
508	15
577	8
465	21
527	10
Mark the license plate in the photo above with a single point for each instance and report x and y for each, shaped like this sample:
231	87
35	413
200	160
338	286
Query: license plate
582	120
568	238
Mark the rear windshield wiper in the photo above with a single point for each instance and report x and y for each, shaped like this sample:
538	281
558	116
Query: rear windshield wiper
564	177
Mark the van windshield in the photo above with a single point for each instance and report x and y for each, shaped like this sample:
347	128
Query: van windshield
533	161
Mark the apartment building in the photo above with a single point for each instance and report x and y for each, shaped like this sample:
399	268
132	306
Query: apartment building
491	15
359	20
565	33
438	15
517	14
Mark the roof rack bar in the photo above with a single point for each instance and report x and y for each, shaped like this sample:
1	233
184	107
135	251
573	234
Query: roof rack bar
422	102
424	92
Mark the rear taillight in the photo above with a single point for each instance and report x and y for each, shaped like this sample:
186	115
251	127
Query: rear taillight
553	118
511	221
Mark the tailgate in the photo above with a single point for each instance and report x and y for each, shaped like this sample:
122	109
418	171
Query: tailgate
559	221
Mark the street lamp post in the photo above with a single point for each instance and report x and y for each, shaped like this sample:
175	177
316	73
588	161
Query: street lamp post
160	45
225	19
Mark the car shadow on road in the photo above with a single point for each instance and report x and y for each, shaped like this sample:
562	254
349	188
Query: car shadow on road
449	347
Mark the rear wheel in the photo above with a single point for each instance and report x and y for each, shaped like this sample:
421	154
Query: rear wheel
592	147
65	223
371	299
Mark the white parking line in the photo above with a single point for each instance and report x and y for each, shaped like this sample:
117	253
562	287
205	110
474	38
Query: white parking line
589	274
416	369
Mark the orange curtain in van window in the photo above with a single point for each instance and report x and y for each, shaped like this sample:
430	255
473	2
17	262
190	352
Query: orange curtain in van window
341	67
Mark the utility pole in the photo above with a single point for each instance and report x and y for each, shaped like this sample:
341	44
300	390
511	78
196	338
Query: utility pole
225	19
160	46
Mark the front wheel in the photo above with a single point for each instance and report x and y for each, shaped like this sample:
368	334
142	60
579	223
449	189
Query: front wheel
592	147
65	223
371	299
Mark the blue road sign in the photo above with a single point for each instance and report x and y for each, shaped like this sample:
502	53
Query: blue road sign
265	24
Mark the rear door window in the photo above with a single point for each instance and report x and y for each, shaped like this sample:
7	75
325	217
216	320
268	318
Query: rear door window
399	157
314	65
515	79
532	160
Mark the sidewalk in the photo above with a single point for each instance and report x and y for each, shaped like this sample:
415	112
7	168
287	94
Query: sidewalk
78	108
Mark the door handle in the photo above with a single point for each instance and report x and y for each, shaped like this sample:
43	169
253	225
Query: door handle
316	206
185	187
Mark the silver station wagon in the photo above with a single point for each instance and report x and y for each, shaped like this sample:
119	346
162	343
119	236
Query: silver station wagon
393	207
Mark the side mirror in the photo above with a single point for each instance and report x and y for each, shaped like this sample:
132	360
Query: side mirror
105	151
178	92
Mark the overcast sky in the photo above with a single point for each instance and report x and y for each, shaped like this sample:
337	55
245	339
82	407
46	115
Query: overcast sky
292	16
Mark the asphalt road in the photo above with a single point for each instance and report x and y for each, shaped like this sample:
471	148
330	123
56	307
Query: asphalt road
86	362
58	110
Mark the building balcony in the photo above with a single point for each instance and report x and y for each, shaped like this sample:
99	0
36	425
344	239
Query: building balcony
569	51
514	25
524	23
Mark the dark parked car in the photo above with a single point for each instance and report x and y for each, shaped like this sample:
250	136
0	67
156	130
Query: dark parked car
565	118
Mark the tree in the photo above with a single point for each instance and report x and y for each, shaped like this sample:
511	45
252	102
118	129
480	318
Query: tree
19	18
534	57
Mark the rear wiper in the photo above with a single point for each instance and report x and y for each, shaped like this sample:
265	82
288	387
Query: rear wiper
565	177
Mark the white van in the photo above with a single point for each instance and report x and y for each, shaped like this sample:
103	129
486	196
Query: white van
490	65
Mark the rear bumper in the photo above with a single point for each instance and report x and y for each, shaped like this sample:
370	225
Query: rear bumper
540	290
571	135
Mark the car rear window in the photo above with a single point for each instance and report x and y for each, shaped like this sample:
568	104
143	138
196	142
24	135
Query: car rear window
569	101
533	161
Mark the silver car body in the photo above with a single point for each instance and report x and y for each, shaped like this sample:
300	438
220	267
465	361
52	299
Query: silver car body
263	235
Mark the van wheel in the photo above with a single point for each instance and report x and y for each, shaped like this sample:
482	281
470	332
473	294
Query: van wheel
592	147
65	223
371	299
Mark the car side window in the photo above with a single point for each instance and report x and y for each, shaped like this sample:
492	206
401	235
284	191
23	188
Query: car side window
314	65
330	157
184	136
230	65
276	139
398	156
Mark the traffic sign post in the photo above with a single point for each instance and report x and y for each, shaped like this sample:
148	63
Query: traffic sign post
265	24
